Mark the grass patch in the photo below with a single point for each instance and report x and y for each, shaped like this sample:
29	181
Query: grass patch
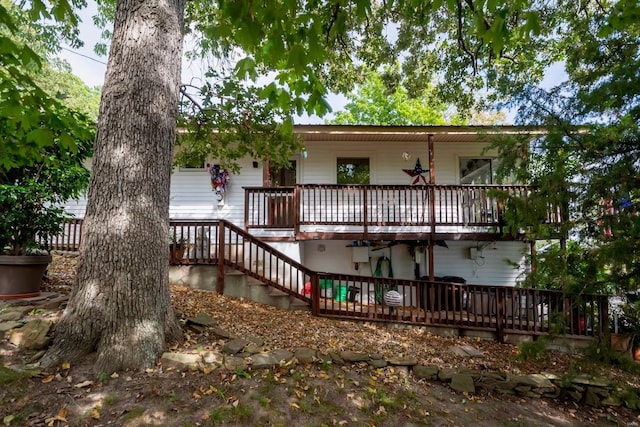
8	376
536	350
237	414
133	413
110	399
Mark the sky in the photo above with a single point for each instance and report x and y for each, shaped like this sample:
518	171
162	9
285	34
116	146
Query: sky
91	68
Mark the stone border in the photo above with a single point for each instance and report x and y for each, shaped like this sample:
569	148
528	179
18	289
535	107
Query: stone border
240	355
250	354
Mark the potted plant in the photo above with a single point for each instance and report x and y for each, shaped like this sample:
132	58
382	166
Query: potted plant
41	168
177	245
30	201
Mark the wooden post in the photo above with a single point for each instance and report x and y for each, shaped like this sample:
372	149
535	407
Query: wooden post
500	301
221	252
432	163
315	294
432	207
603	320
296	211
534	265
365	215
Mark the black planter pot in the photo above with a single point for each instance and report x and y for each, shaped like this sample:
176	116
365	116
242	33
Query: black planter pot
21	276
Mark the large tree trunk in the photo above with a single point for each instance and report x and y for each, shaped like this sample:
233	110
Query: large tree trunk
121	305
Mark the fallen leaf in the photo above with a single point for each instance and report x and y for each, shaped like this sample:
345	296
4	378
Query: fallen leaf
84	384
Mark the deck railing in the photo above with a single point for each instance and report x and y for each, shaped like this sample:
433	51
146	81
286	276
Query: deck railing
499	309
368	206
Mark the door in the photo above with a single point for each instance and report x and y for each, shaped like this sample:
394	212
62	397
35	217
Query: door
281	207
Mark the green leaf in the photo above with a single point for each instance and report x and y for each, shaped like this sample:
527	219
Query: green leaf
42	137
246	68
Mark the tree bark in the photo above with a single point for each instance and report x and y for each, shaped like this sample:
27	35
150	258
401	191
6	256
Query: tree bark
121	305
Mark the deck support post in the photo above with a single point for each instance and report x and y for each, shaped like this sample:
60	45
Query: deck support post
315	294
221	251
500	300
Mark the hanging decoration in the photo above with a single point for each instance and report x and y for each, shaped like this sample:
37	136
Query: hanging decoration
417	173
219	180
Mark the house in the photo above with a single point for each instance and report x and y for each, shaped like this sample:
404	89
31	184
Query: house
365	210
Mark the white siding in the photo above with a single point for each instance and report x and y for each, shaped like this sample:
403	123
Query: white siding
192	196
492	269
386	161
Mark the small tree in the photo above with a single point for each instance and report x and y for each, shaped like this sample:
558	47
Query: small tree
43	145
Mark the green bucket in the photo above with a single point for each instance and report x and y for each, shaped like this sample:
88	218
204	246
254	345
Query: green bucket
341	293
326	288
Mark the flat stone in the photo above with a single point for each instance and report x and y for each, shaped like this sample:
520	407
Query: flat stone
336	359
202	319
263	360
545	390
534	380
12	314
252	348
234	346
445	374
305	355
494	375
351	356
233	363
281	355
429	372
7	326
504	386
576	396
473	373
255	340
181	361
403	361
54	303
466	351
221	332
32	336
325	358
591	398
612	401
377	363
587	380
522	389
212	358
489	384
462	383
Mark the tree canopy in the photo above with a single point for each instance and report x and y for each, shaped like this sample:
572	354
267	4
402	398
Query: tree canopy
589	162
382	100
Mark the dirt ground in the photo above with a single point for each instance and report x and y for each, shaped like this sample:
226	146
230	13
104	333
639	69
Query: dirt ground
294	395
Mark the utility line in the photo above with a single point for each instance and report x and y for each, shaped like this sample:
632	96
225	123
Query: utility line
83	55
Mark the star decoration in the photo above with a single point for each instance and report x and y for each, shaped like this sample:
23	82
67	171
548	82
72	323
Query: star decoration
416	173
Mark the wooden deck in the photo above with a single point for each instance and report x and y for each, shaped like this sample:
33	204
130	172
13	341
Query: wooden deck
437	303
384	211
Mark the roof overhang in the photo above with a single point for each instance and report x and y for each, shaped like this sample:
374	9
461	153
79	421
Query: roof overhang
366	133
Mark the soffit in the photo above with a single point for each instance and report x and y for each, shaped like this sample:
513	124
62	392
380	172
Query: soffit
386	134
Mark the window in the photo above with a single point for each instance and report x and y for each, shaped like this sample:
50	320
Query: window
353	170
192	165
477	170
283	176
